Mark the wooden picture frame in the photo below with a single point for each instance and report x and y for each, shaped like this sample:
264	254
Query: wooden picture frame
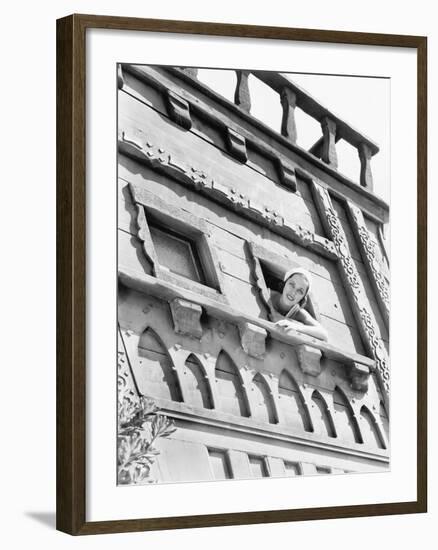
71	273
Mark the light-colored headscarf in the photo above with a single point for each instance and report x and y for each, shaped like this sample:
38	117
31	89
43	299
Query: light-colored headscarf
299	271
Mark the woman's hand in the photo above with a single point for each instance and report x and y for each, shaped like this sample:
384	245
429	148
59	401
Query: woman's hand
287	325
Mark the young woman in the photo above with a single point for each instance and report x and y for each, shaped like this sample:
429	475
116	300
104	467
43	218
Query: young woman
287	307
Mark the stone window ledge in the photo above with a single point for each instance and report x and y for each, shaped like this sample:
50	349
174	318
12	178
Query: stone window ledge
167	291
274	432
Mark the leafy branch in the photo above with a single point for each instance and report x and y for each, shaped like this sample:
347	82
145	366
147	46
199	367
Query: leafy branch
139	426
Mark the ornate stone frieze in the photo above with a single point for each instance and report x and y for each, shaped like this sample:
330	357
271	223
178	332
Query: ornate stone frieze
253	339
179	110
135	145
353	286
368	249
186	317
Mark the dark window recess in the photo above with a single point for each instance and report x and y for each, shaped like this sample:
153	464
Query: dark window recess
257	466
323	470
177	253
272	280
219	464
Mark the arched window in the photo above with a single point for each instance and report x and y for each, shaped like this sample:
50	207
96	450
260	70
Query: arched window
291	404
346	424
230	392
197	387
155	376
263	405
322	418
370	432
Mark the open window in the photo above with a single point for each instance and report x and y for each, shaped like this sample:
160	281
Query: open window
177	245
269	270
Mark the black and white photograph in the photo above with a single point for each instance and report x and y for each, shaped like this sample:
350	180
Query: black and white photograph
253	274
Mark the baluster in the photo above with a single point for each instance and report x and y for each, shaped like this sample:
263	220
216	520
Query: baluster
288	100
328	153
366	176
241	95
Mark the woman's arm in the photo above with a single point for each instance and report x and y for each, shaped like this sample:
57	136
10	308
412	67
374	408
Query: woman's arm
306	324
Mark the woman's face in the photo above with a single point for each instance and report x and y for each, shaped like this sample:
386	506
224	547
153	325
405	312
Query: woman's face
295	288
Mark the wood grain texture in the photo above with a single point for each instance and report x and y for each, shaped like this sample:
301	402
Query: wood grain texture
71	436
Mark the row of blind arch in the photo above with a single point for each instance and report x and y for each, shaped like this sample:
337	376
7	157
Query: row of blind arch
286	405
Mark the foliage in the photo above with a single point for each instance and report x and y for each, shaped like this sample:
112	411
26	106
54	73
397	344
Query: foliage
139	426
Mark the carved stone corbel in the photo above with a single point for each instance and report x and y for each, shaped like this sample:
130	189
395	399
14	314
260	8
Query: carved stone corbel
287	176
253	339
179	110
309	359
236	145
359	376
186	317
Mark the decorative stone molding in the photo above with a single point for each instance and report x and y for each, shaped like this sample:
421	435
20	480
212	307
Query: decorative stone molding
368	249
359	376
242	97
353	286
137	147
253	339
309	359
186	317
236	145
179	110
287	176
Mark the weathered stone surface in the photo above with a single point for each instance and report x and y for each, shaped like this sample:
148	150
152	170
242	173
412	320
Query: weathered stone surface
309	359
253	339
186	317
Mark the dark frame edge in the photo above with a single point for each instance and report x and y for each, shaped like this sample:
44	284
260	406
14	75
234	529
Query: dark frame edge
422	463
71	234
70	278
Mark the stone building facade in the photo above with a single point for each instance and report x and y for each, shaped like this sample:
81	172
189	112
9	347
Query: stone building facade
214	207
